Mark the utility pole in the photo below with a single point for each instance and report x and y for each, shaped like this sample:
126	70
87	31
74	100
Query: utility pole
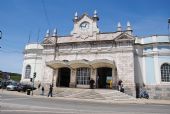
55	52
35	73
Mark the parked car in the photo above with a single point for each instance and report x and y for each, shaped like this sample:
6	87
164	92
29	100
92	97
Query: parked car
12	87
0	84
25	87
5	83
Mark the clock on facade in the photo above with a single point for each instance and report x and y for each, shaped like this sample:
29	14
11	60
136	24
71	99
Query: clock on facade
84	25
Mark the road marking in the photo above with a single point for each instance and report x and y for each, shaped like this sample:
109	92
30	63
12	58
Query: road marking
56	109
40	107
63	112
14	99
78	112
37	111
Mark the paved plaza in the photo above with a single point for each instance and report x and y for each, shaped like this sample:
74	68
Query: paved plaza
20	103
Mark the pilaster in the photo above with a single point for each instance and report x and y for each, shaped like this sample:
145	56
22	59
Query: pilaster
157	70
114	78
55	77
93	75
73	78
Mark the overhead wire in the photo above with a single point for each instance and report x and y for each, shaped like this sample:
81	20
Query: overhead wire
48	23
29	37
10	51
7	47
45	12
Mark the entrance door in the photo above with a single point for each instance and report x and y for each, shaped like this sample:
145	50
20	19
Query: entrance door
104	76
64	77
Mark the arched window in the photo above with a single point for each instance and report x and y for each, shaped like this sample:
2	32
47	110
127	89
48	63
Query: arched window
27	71
83	76
165	72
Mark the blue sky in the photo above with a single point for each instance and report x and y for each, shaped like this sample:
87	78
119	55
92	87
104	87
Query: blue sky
21	18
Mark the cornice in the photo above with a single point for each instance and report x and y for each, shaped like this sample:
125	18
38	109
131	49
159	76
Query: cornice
26	58
156	54
153	43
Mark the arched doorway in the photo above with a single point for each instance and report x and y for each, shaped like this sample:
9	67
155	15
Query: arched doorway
104	76
64	77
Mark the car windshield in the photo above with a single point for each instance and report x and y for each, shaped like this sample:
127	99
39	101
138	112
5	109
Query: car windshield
14	83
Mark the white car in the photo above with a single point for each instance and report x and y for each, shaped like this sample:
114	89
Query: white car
11	87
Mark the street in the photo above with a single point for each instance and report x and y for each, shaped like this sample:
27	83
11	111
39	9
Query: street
22	104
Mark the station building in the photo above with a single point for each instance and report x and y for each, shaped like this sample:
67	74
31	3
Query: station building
107	57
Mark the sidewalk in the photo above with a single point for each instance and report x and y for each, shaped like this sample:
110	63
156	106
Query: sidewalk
137	101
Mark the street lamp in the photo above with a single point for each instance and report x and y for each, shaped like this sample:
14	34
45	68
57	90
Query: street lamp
0	36
169	29
34	76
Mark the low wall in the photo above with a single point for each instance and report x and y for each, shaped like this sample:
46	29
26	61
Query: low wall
158	92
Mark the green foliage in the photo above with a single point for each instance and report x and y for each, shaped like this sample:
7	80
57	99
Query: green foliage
16	78
13	76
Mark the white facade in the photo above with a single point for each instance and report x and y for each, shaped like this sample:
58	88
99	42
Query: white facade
70	61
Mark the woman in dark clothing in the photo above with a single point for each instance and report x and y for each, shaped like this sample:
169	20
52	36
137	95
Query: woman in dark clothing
50	91
119	85
42	90
92	83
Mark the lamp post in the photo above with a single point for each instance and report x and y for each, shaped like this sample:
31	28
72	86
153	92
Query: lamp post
34	76
0	36
169	29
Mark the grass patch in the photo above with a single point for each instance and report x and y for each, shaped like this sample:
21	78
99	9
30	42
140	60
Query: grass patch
13	76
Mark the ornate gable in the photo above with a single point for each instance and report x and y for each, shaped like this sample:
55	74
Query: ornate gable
83	16
48	41
85	26
124	37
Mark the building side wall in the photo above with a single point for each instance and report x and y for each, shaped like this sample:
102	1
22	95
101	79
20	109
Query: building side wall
32	57
47	72
36	66
155	54
150	72
138	68
125	70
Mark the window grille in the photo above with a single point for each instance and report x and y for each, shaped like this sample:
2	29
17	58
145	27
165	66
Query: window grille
27	71
165	72
83	76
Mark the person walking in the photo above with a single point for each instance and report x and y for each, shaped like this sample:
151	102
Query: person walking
122	88
39	85
42	90
119	85
50	91
92	83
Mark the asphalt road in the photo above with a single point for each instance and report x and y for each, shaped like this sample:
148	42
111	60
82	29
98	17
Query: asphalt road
18	104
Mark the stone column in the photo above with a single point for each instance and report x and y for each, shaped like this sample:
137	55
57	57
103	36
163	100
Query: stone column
114	79
55	77
73	78
93	75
